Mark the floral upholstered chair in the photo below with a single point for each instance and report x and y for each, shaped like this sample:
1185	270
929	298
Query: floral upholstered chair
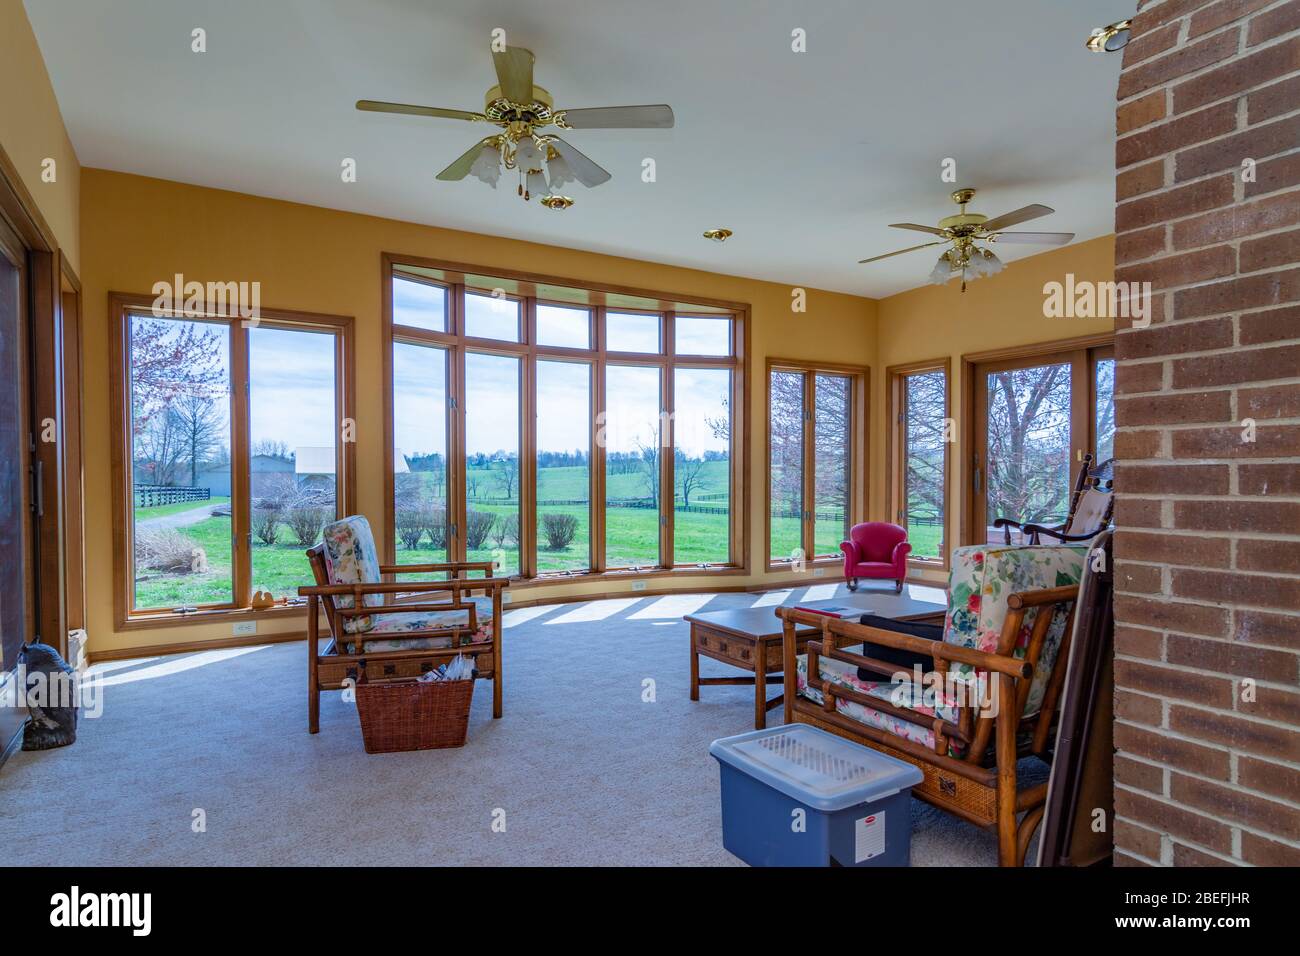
991	671
366	621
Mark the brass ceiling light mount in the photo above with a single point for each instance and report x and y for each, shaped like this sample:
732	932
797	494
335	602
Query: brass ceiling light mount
1110	39
556	202
717	235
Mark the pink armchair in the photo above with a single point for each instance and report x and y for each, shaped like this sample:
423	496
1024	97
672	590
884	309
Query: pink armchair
876	550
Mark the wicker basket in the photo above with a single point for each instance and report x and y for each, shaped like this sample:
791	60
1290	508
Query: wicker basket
410	714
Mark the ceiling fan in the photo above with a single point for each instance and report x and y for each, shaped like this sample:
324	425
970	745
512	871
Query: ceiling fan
962	231
545	161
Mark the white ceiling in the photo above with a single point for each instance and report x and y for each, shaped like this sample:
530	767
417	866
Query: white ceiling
805	156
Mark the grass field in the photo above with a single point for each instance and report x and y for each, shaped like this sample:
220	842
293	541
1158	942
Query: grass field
632	537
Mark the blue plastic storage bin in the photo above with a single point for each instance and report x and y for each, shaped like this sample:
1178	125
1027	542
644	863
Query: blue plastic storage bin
799	796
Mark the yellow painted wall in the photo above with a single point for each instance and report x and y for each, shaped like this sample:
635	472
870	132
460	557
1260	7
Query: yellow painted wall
31	129
998	312
137	231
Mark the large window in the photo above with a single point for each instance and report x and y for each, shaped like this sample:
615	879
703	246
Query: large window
921	433
235	438
1036	413
816	458
573	431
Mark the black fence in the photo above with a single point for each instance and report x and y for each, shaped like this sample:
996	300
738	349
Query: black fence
151	496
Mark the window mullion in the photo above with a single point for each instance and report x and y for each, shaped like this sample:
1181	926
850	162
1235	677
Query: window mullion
240	502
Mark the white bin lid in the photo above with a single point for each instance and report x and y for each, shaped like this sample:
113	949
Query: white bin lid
816	768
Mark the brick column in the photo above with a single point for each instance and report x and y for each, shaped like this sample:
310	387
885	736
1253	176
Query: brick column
1207	630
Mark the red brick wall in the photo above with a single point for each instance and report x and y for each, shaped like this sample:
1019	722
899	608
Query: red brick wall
1207	631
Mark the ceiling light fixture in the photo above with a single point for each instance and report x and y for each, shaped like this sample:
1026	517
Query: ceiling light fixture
717	235
960	233
1109	39
525	146
556	202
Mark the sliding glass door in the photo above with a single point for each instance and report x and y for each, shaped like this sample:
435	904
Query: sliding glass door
1035	419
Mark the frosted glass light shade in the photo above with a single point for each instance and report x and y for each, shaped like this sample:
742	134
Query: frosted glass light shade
560	172
536	184
487	166
942	270
527	155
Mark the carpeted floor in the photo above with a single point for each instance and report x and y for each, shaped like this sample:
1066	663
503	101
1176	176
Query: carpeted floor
581	770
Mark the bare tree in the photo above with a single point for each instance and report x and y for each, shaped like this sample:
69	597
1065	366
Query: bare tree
688	475
271	447
507	476
650	468
199	421
1028	443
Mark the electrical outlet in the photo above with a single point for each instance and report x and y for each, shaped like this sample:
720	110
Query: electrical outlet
638	585
244	628
505	597
819	572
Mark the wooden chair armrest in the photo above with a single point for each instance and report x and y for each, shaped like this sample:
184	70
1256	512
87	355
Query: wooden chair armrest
454	585
849	632
454	566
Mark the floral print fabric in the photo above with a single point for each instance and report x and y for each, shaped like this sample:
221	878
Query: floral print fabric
982	579
406	621
350	558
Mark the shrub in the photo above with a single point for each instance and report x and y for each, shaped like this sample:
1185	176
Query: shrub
434	524
478	525
559	529
305	521
267	515
410	524
166	549
506	530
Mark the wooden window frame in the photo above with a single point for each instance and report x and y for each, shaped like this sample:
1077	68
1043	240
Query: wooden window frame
532	288
1079	351
859	451
896	452
121	306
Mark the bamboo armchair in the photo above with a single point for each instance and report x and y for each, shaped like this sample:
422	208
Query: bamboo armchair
970	768
433	631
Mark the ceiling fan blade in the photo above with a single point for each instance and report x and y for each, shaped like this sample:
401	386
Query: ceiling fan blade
1046	238
514	66
375	106
919	228
586	171
620	117
901	251
1016	216
460	168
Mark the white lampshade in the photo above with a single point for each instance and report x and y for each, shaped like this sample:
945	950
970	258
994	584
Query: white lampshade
560	172
536	183
942	270
527	155
983	263
487	166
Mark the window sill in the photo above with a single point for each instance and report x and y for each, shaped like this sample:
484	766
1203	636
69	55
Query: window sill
148	622
686	571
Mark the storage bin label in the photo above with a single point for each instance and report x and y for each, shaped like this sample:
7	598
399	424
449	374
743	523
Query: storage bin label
868	837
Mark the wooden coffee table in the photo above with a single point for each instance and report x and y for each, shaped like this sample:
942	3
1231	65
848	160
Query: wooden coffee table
750	638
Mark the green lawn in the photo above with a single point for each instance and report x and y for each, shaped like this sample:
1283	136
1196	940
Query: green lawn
632	537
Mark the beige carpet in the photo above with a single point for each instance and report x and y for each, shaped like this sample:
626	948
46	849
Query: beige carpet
581	769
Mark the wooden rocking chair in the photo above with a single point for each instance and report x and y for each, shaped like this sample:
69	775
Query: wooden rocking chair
1091	504
394	639
966	749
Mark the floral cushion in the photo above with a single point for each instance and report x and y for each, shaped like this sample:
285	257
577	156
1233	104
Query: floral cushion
351	558
405	621
846	675
983	577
